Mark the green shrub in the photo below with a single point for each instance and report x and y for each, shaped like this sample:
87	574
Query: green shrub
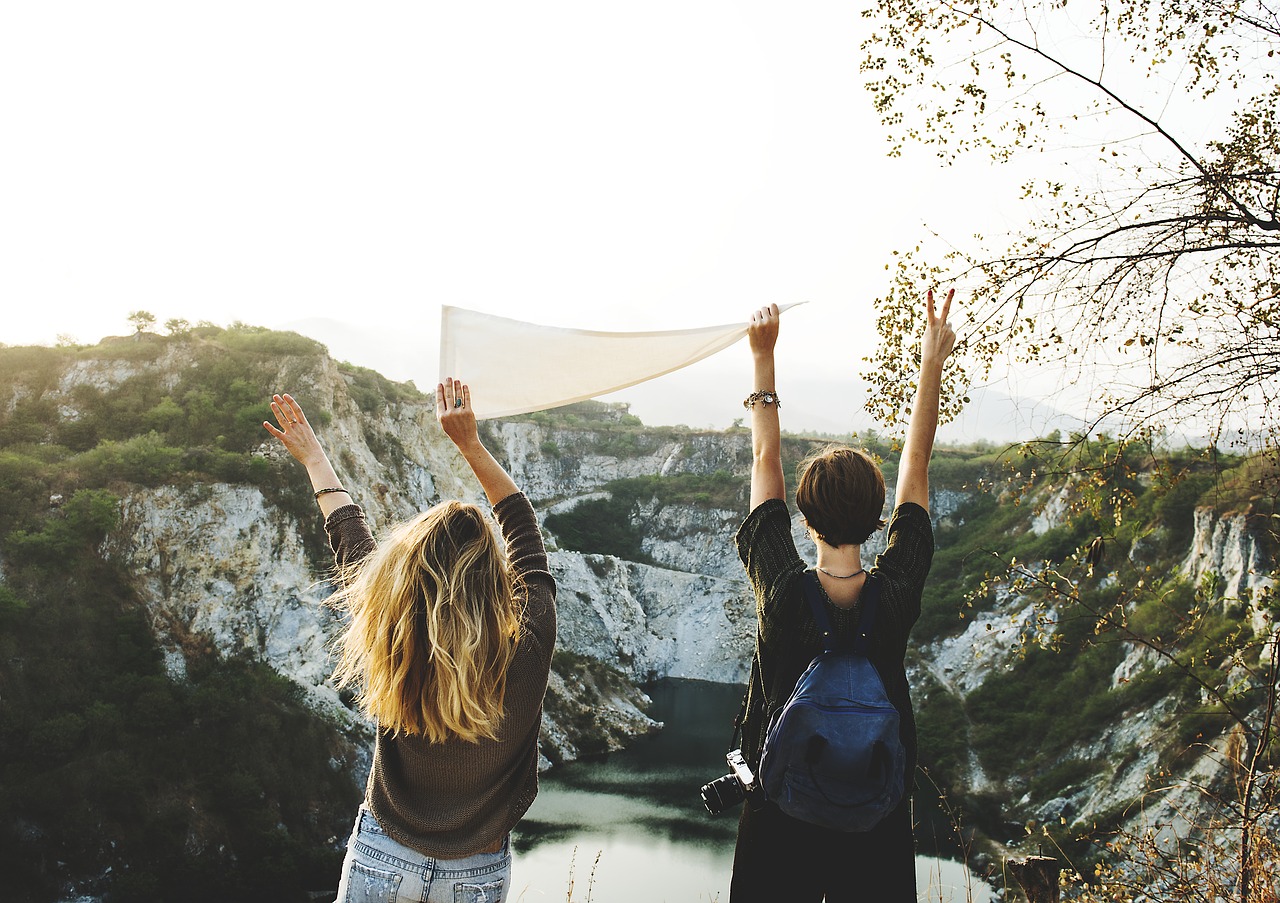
80	525
34	367
57	737
720	489
600	526
218	788
942	732
1069	773
257	340
1175	507
140	347
142	459
1056	544
372	391
958	469
28	423
11	604
1046	702
608	526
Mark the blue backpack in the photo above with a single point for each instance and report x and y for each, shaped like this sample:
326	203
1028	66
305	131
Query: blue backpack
832	754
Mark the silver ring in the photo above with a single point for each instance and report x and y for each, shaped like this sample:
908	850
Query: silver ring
457	402
293	421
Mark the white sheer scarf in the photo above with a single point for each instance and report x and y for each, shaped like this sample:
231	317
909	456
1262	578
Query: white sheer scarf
515	367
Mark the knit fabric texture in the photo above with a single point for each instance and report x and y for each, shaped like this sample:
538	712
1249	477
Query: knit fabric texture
788	637
453	799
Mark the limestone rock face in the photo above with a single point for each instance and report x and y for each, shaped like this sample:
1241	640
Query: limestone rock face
652	622
991	642
1233	549
224	568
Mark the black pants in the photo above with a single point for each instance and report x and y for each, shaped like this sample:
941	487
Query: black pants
779	858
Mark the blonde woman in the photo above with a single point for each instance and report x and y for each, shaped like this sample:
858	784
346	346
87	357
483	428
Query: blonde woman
448	638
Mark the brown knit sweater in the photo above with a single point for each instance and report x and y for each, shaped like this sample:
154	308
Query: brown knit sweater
453	799
788	636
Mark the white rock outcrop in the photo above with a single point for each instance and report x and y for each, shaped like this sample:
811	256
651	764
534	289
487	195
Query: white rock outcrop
1227	545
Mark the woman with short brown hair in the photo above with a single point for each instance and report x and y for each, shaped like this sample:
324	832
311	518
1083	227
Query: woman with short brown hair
841	495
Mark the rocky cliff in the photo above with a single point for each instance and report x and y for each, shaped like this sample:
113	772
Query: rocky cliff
218	564
235	567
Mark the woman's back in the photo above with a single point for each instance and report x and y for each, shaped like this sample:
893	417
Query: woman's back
449	799
457	639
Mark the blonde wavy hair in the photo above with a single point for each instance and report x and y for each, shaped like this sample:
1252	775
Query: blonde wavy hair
432	625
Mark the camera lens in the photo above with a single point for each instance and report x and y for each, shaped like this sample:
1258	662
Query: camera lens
721	793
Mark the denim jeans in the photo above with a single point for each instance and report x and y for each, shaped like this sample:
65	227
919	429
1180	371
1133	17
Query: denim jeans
378	868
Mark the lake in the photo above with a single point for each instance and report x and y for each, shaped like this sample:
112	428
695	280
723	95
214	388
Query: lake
631	828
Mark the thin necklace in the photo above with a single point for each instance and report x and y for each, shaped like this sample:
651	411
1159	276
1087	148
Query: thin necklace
840	576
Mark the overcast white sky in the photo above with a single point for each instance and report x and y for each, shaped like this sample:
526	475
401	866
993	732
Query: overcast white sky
345	170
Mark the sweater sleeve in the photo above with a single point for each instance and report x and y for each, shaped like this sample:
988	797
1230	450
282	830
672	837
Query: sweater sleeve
904	564
349	535
528	557
909	548
773	565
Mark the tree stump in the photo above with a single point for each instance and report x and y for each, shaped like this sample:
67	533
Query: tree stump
1038	876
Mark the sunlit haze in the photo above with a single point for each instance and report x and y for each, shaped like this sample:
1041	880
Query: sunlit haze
345	171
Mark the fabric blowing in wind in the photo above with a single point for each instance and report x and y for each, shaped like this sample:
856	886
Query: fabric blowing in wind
515	367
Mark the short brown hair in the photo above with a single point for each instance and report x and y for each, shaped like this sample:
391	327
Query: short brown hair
841	495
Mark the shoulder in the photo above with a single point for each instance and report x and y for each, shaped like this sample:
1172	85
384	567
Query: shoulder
769	519
528	557
909	545
773	565
765	542
909	549
910	518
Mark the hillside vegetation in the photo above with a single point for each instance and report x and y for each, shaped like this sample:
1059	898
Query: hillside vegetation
1066	646
216	786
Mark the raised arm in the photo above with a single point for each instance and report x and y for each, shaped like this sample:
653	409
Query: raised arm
453	410
913	472
767	481
297	436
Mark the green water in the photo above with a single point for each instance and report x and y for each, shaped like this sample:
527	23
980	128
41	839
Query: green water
632	827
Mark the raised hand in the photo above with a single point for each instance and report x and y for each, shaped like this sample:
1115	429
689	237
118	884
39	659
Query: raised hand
935	346
762	334
458	420
767	480
939	338
454	411
297	436
294	432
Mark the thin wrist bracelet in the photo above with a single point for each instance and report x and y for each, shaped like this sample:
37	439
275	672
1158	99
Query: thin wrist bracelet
320	492
764	396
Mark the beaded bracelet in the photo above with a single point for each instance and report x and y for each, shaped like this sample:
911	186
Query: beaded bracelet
320	492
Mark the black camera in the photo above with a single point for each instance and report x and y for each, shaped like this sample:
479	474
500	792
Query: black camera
728	791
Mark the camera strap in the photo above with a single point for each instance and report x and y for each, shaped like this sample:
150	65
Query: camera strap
740	720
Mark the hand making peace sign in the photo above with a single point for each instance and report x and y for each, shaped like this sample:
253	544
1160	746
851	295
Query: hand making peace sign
939	338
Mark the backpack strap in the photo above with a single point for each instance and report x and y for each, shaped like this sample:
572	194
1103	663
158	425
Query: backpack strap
866	621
